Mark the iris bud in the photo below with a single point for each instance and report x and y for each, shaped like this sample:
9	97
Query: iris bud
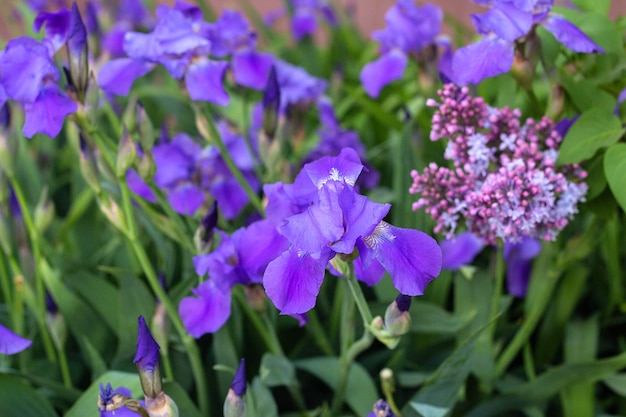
78	51
235	406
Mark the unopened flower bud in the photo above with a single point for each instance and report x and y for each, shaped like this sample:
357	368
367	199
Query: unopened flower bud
5	240
397	317
235	405
147	361
159	327
113	212
146	167
161	406
88	166
203	238
144	127
44	212
271	104
126	154
77	52
7	151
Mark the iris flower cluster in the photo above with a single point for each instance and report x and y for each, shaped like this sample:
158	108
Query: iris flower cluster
505	183
310	222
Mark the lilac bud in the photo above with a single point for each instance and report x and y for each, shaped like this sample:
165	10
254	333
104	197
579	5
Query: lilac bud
235	406
271	104
147	361
77	52
126	154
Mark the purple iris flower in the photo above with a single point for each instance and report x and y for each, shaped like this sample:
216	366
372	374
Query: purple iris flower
381	409
336	221
177	43
190	174
504	23
30	77
231	35
106	402
296	85
131	15
12	343
518	257
147	360
239	259
460	250
409	30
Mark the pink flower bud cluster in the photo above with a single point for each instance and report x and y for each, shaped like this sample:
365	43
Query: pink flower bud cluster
504	182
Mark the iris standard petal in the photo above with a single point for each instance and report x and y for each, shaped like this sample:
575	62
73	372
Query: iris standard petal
293	280
303	23
346	167
205	81
488	57
207	311
186	198
569	35
505	20
384	70
411	257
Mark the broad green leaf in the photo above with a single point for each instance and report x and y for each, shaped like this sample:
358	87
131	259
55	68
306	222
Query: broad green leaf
586	95
594	130
598	6
615	171
360	393
430	318
259	401
596	180
87	403
277	370
617	383
19	399
442	389
186	407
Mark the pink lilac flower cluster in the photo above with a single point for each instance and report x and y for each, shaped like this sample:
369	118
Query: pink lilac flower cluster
504	182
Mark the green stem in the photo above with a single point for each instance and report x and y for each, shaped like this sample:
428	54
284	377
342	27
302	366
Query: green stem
216	138
315	328
349	355
498	286
528	326
40	289
5	281
153	281
65	369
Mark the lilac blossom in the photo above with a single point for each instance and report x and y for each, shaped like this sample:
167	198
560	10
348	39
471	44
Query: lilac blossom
30	77
503	25
12	343
325	216
190	174
505	183
410	29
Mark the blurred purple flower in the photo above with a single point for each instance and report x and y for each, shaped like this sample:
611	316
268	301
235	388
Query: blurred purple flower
381	409
131	15
296	85
30	77
410	29
460	250
306	16
518	257
502	25
12	343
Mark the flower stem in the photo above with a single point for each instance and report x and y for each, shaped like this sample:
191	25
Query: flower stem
155	285
498	286
349	355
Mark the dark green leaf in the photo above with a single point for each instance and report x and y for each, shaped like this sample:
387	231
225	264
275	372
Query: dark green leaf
615	171
186	407
277	370
598	6
430	318
360	392
594	130
259	401
20	400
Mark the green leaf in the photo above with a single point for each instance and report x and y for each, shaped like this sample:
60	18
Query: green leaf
617	383
277	370
186	407
87	403
430	318
586	95
615	171
259	401
594	130
360	393
596	180
598	6
19	399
